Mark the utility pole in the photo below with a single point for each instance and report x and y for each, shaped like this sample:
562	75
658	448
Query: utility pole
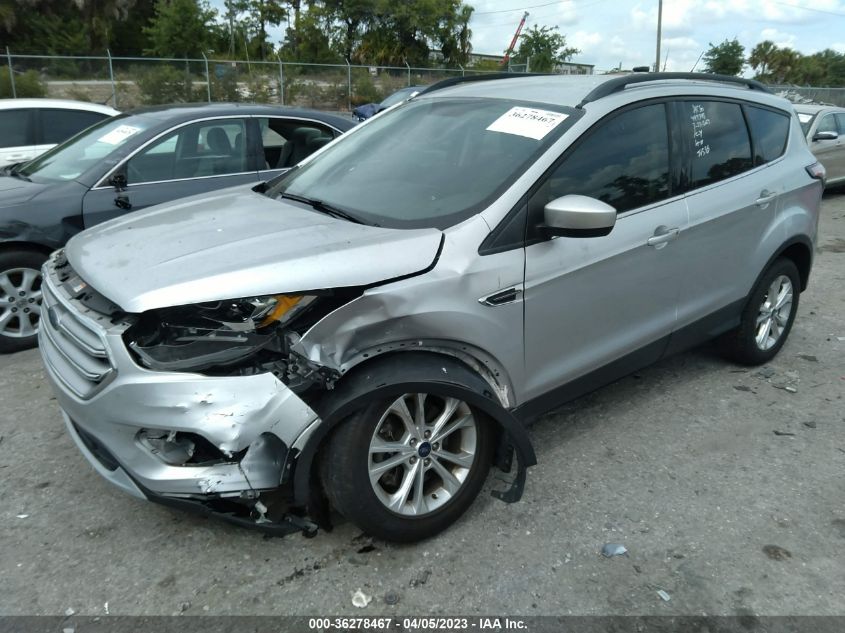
659	34
231	15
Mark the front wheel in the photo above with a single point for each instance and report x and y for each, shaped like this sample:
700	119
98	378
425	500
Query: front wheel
20	299
768	316
406	468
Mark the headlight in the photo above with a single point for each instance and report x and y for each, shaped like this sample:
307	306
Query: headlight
215	333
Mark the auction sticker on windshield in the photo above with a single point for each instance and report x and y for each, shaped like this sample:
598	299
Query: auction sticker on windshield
527	122
118	134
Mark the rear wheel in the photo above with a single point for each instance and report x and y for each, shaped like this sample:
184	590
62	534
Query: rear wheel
20	299
406	468
768	317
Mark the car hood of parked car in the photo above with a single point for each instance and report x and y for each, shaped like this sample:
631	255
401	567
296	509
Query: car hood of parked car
16	190
239	243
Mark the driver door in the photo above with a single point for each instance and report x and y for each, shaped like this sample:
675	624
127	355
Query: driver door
191	159
594	301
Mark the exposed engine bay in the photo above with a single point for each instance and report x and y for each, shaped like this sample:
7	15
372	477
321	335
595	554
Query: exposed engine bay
237	337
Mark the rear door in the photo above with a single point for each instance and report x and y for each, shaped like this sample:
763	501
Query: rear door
17	136
592	301
733	199
191	159
56	125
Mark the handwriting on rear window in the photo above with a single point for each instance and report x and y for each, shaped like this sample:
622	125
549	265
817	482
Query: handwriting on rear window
699	121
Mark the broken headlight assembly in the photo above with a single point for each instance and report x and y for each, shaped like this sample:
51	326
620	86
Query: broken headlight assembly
214	334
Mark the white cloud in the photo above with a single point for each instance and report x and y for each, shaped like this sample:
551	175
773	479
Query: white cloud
585	41
781	39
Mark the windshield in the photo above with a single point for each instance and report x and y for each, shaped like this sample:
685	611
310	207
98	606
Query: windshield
81	152
428	163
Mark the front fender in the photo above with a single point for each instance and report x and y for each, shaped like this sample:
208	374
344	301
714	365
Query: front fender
407	372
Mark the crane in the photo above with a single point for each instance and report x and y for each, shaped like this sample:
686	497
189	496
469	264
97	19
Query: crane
507	56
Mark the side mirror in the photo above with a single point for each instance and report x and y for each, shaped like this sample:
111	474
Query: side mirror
118	181
825	136
577	216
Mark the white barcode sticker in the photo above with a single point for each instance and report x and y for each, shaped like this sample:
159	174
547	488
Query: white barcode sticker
118	134
527	122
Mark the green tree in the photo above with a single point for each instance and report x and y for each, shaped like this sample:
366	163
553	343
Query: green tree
99	17
264	13
543	48
762	57
310	42
181	28
352	17
455	35
726	58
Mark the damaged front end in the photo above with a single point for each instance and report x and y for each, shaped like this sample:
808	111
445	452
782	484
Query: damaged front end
209	406
236	337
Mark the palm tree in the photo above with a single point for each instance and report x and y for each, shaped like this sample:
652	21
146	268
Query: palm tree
761	58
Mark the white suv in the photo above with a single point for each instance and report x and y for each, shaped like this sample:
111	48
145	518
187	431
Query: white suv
29	127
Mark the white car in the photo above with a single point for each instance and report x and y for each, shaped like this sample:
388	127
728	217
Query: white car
29	127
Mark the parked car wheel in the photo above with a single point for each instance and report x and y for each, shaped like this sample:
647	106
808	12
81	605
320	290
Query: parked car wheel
406	468
20	299
768	316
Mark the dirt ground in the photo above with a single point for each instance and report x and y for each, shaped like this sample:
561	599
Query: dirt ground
727	489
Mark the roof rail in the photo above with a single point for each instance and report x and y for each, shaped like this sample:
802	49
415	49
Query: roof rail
620	83
454	81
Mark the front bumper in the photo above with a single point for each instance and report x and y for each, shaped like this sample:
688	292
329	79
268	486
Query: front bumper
110	404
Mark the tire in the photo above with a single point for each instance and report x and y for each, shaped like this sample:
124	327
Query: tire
747	344
358	445
20	299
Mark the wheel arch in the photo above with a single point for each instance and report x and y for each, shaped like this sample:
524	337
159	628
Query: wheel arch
19	245
395	373
800	250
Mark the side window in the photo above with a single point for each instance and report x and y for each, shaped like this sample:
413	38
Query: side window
624	162
15	130
840	119
209	148
721	147
827	124
60	125
288	141
770	131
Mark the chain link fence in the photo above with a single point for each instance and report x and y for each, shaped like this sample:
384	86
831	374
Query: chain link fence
127	82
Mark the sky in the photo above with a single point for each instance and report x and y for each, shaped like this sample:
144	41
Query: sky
614	32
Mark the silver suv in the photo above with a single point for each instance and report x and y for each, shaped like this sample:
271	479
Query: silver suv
370	332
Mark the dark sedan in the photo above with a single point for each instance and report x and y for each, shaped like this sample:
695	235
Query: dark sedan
130	162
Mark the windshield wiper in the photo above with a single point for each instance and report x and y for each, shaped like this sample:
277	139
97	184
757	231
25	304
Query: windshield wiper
322	207
12	170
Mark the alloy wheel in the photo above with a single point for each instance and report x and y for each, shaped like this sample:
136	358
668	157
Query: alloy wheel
421	453
20	302
773	315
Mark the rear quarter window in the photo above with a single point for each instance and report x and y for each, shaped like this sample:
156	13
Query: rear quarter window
59	125
769	131
719	143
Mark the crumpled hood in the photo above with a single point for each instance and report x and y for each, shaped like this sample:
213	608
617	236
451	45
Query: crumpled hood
238	243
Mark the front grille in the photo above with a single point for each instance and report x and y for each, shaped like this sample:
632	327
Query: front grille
73	349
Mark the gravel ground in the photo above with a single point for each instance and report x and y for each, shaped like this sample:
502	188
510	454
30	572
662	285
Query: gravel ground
726	488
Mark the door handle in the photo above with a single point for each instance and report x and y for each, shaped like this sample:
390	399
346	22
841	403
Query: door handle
503	297
765	198
122	202
662	236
